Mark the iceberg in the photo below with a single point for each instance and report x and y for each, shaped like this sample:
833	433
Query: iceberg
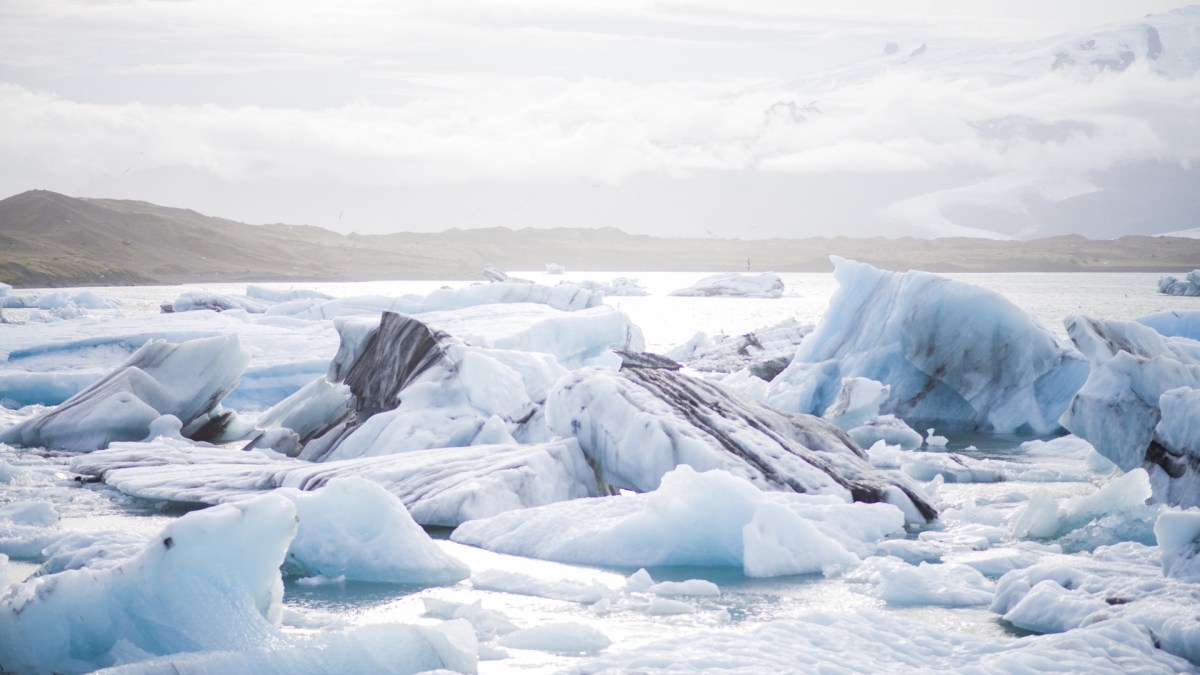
440	486
186	381
1178	537
618	287
1189	285
856	411
639	423
956	356
734	285
1138	405
709	519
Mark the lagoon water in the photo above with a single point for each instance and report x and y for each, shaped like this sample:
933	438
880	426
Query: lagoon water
666	321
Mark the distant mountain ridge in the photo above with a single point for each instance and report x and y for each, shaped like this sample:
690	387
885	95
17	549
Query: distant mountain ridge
50	239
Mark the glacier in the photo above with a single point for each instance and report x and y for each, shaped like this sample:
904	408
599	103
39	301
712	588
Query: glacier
956	356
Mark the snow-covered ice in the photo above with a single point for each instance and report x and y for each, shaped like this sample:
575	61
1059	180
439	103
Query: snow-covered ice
734	285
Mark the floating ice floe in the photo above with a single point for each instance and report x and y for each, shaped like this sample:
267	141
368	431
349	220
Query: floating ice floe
1117	511
1189	285
902	584
564	297
956	356
1138	406
186	381
1123	583
26	527
816	641
705	519
439	486
618	287
639	423
765	352
734	285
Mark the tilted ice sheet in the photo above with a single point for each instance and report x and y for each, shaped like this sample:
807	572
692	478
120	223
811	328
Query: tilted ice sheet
441	486
954	355
637	424
186	381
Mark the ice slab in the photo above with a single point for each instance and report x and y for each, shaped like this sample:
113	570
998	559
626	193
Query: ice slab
765	351
441	486
186	381
956	356
637	424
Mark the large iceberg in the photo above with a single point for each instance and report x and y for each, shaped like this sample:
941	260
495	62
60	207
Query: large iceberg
956	356
639	423
186	381
1138	406
705	519
440	486
734	285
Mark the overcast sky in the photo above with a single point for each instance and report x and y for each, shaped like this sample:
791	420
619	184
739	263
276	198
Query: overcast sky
721	117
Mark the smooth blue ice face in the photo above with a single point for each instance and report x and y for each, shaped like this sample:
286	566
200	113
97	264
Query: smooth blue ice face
956	356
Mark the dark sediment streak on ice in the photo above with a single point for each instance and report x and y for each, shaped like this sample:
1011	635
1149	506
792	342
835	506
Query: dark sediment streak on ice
798	453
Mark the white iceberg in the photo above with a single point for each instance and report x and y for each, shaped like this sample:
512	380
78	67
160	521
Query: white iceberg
1178	537
956	356
1174	323
186	381
704	519
734	285
617	287
856	411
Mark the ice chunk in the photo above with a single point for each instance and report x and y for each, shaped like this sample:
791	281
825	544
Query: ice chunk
764	351
955	355
637	424
1189	285
1120	407
691	587
949	585
191	301
210	580
440	486
187	380
558	638
353	528
1047	518
26	527
83	299
734	285
1117	584
1178	536
708	519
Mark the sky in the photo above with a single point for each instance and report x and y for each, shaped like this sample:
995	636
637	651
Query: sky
706	118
